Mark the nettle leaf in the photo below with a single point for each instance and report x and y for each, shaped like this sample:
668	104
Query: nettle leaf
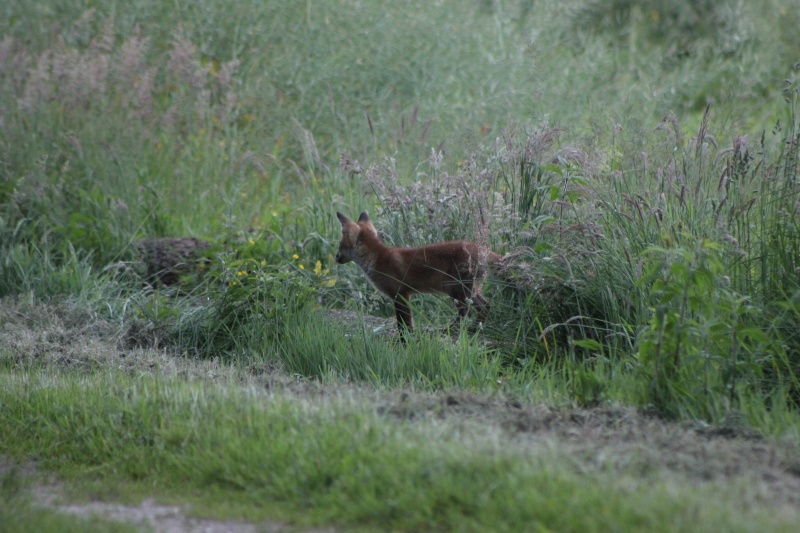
753	335
553	168
580	180
589	344
679	271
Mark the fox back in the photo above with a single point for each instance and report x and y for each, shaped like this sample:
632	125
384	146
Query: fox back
454	268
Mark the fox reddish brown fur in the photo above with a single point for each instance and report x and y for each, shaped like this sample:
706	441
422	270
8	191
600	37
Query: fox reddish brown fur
455	268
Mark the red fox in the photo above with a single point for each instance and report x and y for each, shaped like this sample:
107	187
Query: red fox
455	268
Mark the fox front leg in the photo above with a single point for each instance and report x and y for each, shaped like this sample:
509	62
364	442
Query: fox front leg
405	320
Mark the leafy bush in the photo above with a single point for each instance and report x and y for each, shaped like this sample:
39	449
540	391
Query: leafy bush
704	344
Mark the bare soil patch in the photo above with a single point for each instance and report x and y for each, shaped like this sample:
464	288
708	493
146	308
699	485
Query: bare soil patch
149	514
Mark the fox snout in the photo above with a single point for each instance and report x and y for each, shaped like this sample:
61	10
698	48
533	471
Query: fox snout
350	233
343	256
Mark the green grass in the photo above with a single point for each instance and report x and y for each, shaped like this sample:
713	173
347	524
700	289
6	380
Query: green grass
333	461
637	161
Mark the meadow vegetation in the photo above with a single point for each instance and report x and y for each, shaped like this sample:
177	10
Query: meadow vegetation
637	164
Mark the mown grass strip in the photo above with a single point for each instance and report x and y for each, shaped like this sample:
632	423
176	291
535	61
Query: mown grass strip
333	462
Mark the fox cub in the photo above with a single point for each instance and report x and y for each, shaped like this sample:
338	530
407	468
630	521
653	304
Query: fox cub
455	268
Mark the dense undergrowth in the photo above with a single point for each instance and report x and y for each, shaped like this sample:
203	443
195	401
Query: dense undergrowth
652	241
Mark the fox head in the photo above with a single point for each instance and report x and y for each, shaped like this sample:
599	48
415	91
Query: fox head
353	234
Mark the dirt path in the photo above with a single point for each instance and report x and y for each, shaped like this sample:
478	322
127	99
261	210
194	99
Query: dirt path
147	515
150	515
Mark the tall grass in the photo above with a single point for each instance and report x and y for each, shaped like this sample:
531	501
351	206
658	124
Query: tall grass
152	120
318	349
674	253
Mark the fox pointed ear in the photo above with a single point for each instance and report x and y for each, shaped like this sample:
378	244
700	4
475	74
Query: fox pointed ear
366	223
343	219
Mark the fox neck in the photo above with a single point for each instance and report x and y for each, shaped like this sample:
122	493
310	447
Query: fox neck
368	250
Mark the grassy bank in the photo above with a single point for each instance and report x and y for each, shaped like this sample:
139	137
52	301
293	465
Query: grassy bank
335	461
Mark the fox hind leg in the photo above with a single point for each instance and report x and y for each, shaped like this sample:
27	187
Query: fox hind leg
482	306
472	299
